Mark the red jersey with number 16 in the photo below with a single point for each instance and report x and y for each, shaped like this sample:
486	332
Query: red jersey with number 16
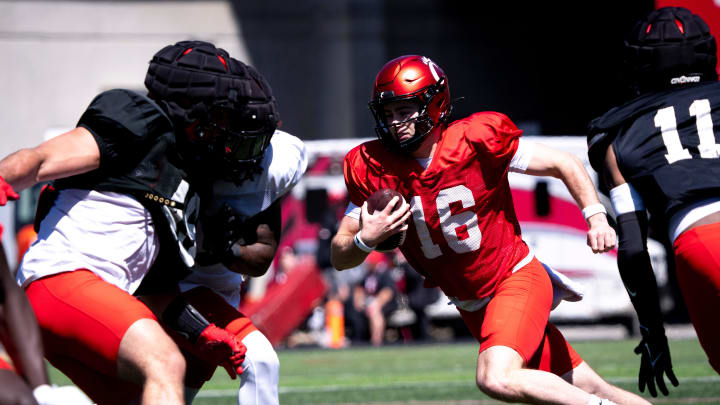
464	235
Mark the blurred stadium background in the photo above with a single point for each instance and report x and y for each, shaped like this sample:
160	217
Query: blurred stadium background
551	66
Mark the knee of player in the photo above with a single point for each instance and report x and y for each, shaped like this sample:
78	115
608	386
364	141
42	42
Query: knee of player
261	361
176	362
171	365
495	385
264	362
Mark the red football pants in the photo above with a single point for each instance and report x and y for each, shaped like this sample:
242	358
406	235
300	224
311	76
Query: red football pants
83	319
5	365
697	260
517	317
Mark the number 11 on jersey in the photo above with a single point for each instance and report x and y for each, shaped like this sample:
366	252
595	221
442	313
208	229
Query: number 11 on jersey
666	121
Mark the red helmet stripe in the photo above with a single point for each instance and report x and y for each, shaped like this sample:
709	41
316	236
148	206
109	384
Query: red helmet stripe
223	62
647	31
680	26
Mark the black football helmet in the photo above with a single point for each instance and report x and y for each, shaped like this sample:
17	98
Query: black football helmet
671	46
223	109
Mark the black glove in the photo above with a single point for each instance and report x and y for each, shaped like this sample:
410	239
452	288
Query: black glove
654	361
220	232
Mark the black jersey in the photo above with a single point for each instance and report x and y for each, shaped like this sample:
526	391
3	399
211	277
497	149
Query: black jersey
137	147
666	144
138	157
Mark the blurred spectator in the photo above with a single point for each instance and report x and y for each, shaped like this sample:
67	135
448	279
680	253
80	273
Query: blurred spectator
373	299
286	262
418	297
256	287
335	209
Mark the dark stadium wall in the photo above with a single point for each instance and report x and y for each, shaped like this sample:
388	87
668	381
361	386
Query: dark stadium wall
550	67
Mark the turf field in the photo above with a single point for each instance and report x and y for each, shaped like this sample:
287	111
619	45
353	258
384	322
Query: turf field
443	374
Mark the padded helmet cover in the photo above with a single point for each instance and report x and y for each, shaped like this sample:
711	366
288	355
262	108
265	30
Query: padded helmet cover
193	80
670	46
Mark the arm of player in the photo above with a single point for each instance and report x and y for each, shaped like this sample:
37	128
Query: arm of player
20	333
568	168
253	253
71	153
376	227
639	279
344	254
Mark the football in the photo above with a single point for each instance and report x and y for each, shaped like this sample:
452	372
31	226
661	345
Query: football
378	201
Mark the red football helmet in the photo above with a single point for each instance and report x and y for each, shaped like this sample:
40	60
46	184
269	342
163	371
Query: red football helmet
415	78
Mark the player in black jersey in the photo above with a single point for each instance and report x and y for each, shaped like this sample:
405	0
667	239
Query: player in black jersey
659	152
122	201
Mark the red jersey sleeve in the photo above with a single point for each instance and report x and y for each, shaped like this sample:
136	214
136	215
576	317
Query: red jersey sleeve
355	170
493	137
370	167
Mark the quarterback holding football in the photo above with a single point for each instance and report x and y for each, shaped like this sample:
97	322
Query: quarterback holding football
462	233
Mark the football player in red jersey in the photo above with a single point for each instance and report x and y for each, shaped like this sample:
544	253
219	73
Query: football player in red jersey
659	151
463	234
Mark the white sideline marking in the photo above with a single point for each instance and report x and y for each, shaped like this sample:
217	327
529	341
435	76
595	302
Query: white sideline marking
336	388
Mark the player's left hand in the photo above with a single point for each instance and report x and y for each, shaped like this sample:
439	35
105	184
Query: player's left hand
223	348
654	362
7	192
601	236
54	395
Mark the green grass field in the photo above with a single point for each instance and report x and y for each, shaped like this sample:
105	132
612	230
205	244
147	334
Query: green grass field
444	374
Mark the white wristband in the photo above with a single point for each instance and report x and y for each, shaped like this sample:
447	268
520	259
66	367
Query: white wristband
361	245
65	395
42	391
593	209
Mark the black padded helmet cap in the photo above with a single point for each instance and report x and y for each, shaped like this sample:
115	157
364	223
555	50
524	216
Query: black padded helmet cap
223	108
670	46
191	76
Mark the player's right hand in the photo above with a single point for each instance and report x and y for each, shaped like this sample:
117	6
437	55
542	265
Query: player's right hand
7	192
54	395
221	347
379	225
654	362
601	237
